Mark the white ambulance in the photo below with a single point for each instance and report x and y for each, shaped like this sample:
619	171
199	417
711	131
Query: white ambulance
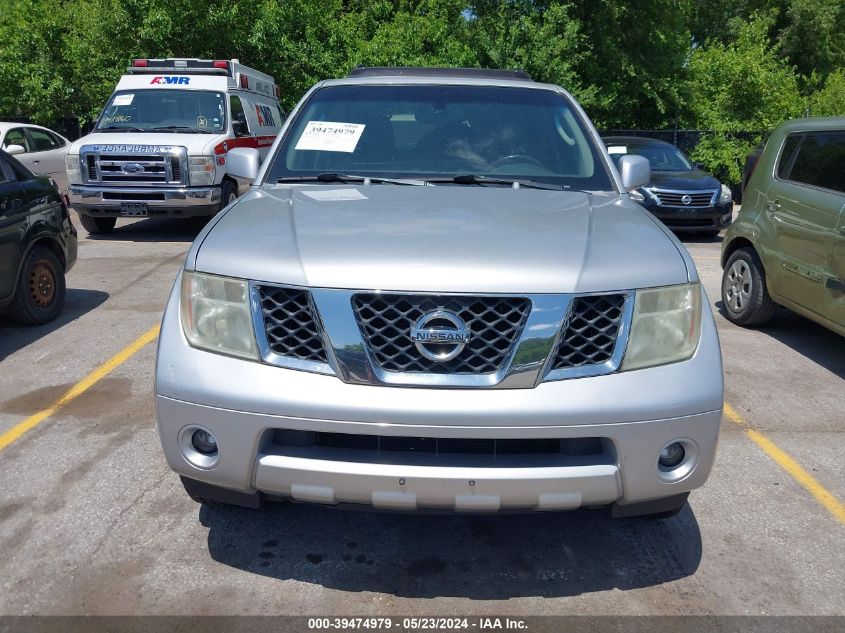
161	145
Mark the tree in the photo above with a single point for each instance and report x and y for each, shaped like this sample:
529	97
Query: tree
830	100
738	88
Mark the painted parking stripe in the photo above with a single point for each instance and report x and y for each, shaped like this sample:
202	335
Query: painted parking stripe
819	492
810	483
79	388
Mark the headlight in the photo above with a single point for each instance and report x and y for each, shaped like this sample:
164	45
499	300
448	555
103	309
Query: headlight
202	170
725	196
74	172
216	314
665	327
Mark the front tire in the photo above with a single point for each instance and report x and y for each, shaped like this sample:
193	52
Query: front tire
216	496
95	226
40	293
228	194
744	295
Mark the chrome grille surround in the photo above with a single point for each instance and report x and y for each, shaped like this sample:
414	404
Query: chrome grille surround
700	198
591	331
528	361
164	165
495	324
287	328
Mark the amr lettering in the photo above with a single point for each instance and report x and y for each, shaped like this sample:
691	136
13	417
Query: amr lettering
170	80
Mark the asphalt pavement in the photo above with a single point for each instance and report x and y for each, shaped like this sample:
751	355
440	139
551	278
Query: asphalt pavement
93	522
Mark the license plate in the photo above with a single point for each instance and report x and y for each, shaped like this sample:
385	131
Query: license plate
133	208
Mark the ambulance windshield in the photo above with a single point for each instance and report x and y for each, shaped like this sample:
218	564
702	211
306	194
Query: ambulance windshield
180	111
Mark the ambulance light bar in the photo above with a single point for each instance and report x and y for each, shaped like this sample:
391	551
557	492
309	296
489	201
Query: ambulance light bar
181	66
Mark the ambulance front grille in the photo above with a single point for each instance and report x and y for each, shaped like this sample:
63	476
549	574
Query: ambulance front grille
166	166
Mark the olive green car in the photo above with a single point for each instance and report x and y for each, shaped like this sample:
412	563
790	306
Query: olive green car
787	245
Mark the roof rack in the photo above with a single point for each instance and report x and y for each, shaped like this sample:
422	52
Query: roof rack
405	71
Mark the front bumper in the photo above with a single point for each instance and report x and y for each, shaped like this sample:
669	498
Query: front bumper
633	415
684	219
104	201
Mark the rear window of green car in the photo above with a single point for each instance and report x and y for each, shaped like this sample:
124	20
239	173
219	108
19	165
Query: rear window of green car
814	158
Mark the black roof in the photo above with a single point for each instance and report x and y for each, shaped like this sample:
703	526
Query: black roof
406	71
640	141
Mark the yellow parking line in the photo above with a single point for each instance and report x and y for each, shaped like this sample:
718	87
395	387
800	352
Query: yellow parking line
822	495
79	388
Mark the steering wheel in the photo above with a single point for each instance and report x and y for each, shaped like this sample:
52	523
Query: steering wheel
517	158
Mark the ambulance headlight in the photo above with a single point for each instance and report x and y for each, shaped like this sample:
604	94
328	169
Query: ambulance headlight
201	170
74	172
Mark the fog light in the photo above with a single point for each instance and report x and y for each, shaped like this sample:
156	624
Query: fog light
206	444
671	455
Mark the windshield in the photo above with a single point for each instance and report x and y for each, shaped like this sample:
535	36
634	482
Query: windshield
188	111
660	157
427	132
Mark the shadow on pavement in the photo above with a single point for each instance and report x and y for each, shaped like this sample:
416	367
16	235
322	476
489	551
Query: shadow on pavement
477	557
806	337
152	230
78	302
697	238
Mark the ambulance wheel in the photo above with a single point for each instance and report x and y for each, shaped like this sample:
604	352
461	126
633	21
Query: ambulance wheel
228	194
97	225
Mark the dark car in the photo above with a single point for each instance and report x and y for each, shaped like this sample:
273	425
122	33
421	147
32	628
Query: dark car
681	195
37	244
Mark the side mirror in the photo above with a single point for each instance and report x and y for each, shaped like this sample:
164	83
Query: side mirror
239	127
700	166
635	171
15	149
243	163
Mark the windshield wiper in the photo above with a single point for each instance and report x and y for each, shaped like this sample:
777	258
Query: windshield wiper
181	128
120	129
351	178
473	179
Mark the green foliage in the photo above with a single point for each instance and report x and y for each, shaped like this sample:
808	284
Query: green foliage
814	38
739	87
730	66
830	100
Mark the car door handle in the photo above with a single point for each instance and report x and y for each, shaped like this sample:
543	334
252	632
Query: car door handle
773	206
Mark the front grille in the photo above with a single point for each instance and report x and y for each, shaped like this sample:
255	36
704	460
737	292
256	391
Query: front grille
155	169
291	324
164	165
676	198
591	332
439	445
495	324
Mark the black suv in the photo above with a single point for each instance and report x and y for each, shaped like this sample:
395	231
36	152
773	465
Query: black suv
37	244
681	195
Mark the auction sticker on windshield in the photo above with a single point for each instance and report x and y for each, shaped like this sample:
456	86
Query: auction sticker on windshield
123	100
335	194
328	136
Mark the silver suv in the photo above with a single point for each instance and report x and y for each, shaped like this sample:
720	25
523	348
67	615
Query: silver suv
439	295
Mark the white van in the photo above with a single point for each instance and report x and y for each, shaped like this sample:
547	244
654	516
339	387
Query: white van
160	146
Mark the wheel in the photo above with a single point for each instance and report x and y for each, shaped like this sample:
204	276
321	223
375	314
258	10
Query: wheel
516	158
216	496
40	293
663	508
744	293
228	194
97	225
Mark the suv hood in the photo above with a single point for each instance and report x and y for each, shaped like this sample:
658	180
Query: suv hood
692	180
197	144
466	239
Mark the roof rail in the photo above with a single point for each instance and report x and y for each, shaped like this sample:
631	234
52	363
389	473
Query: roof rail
469	73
